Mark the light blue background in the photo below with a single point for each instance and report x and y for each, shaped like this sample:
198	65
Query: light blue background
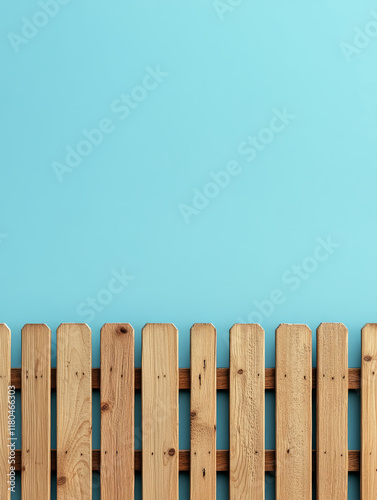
120	207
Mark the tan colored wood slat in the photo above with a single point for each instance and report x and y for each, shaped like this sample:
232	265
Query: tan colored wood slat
203	412
117	412
293	412
36	412
5	382
368	479
332	411
159	398
184	378
246	413
74	412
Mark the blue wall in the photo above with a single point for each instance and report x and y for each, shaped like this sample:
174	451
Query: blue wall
218	155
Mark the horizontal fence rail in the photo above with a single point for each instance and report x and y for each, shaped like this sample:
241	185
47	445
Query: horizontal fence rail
222	378
222	460
160	379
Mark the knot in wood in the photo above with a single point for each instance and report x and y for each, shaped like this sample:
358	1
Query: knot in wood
105	407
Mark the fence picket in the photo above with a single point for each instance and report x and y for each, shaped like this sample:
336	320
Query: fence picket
36	412
117	412
293	412
5	382
246	413
160	380
160	411
74	412
203	412
332	411
368	452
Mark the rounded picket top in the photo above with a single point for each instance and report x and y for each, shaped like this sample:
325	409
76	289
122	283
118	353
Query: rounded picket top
255	327
39	335
159	326
5	353
118	329
31	326
5	342
248	329
339	325
369	326
202	334
161	331
368	342
85	326
4	329
205	327
332	328
73	332
293	327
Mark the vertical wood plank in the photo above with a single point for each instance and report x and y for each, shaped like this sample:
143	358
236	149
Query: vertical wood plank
117	412
332	411
368	480
246	413
203	412
74	412
293	412
160	412
36	412
5	382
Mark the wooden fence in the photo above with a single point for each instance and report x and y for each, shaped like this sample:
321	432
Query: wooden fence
160	380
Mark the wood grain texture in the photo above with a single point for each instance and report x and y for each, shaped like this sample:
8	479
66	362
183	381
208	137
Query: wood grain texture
246	413
293	412
117	412
332	411
203	412
159	398
36	412
74	412
5	382
368	479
